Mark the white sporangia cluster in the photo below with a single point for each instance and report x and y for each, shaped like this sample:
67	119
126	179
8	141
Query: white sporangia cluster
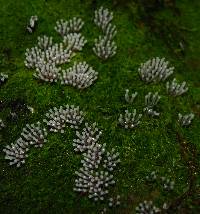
46	57
2	125
152	177
146	207
15	154
89	136
111	160
58	118
130	98
185	120
155	70
3	78
102	17
167	184
31	109
75	41
71	26
44	42
104	46
93	156
94	183
80	75
175	89
91	179
114	201
130	120
70	31
96	155
47	72
57	53
32	134
32	23
110	32
151	100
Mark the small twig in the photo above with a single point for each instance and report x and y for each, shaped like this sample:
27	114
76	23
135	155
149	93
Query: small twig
190	161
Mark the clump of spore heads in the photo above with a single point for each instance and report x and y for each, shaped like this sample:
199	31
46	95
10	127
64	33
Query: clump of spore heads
154	71
94	178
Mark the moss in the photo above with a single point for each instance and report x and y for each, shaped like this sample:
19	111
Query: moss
45	182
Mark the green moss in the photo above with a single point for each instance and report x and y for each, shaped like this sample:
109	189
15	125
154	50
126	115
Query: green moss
45	182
